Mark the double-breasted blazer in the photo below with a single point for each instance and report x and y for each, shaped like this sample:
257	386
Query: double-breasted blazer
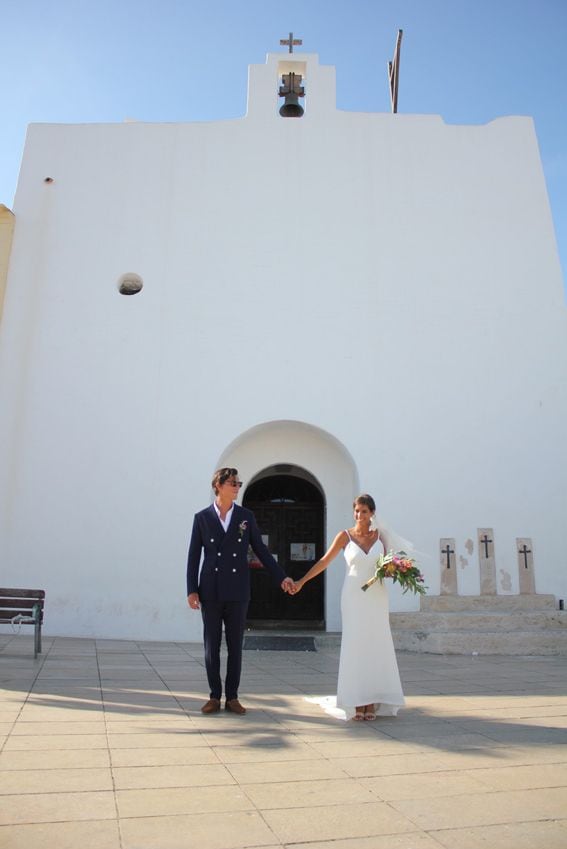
225	574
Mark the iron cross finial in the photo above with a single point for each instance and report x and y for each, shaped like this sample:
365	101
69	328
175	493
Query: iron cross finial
291	42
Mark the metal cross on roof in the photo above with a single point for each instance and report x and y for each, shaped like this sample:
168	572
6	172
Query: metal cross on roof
291	42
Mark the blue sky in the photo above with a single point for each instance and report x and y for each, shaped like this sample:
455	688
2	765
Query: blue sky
75	61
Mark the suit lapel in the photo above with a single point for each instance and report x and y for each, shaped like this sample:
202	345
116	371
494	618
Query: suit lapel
215	519
233	519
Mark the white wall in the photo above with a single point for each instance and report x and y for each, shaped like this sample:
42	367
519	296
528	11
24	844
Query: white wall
389	280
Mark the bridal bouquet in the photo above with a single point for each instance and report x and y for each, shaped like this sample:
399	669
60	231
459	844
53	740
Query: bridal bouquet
401	569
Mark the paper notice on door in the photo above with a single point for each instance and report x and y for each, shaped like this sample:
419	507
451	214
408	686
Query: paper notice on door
302	551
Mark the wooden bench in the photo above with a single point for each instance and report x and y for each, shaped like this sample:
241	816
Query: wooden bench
23	607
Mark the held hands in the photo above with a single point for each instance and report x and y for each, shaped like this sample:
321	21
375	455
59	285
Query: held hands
290	587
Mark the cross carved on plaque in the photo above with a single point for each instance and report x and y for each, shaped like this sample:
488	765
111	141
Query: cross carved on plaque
448	551
525	551
291	42
484	540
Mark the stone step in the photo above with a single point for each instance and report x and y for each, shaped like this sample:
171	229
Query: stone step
504	603
481	620
514	624
488	642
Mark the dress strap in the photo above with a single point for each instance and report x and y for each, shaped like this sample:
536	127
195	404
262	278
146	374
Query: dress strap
348	535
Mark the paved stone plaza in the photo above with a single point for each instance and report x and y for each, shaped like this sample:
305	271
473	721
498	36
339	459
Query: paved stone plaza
104	747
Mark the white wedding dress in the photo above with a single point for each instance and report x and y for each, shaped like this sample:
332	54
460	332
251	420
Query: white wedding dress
368	670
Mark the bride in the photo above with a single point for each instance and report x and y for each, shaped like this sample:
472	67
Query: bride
369	681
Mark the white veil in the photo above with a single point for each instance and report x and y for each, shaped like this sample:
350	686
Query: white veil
392	540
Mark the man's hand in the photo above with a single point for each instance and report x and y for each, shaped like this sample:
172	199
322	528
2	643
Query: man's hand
287	585
193	601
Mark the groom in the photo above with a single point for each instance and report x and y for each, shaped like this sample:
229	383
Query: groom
222	590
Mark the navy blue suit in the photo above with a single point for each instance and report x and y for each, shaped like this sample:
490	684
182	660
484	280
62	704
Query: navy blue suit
223	585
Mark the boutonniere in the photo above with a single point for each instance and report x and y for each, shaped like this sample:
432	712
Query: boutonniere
241	528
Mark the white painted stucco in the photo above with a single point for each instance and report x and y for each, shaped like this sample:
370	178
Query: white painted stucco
376	298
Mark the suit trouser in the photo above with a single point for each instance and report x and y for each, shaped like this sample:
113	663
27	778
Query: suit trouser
233	615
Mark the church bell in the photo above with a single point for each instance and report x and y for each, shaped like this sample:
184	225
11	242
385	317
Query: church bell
291	90
291	107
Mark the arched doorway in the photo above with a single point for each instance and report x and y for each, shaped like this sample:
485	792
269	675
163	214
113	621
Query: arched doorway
300	446
290	510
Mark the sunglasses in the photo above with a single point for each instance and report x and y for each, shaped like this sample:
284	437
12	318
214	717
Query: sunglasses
234	483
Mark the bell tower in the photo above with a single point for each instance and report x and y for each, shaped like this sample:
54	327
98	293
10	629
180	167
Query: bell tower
291	85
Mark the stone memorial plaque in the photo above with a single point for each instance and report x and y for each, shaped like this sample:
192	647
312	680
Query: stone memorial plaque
448	566
485	539
525	551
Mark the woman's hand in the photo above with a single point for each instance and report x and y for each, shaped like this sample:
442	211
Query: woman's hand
297	586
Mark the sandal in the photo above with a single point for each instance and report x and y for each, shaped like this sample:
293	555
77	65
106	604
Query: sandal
370	712
359	715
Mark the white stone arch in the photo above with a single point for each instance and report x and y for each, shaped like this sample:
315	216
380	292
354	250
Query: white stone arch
325	457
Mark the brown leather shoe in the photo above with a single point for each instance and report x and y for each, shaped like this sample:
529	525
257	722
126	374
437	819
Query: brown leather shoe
212	706
234	706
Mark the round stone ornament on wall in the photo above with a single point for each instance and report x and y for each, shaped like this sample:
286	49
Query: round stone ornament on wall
130	284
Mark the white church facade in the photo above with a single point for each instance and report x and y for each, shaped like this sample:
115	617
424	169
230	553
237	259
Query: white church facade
335	303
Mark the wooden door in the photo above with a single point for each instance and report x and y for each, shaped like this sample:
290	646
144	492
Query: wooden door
290	515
